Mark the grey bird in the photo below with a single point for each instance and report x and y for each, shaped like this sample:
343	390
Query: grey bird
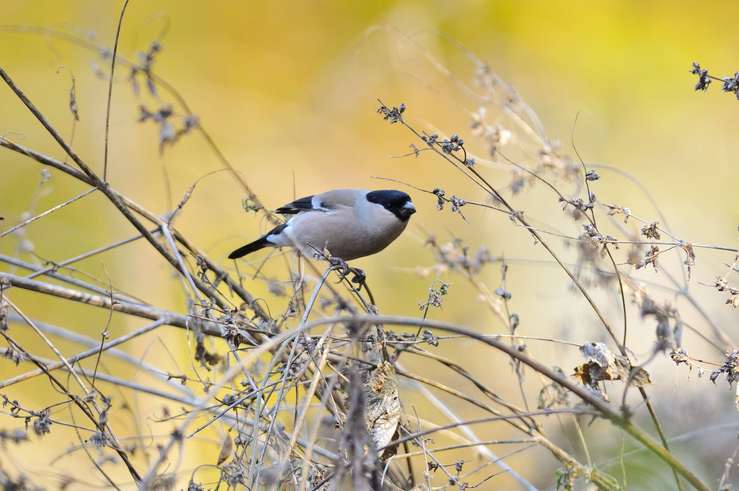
349	223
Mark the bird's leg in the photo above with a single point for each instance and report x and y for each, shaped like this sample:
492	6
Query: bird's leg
358	278
339	265
344	270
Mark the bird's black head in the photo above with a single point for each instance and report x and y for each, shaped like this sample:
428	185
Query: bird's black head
396	202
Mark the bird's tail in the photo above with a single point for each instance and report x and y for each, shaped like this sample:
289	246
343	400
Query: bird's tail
249	248
260	243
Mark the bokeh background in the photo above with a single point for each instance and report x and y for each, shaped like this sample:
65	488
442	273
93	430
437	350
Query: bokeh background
289	92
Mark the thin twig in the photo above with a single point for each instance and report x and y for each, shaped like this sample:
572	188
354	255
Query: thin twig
47	212
109	99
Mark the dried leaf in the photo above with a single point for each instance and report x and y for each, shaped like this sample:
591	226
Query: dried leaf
383	404
679	356
73	100
610	368
690	257
651	231
3	315
355	440
640	377
650	258
601	365
730	368
733	301
227	447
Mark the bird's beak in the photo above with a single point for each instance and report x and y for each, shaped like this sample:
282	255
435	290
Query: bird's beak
408	209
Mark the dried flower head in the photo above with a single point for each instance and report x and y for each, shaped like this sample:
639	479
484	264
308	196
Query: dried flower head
704	79
391	114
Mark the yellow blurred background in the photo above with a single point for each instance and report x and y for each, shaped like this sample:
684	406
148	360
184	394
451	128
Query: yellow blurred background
289	92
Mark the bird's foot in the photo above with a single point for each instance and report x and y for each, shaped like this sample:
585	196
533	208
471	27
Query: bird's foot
339	265
358	276
344	270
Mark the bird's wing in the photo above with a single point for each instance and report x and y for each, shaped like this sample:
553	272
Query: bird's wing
320	202
302	204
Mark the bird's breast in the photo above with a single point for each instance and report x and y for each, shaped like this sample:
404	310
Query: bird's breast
344	233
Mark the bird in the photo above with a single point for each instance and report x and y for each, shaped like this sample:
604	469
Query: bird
348	223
